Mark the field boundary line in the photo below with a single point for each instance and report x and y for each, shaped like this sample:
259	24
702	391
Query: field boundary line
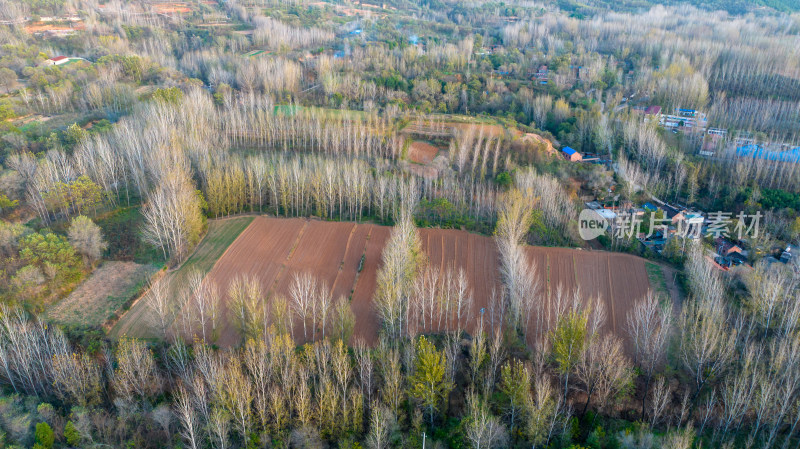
547	267
575	275
227	248
358	273
285	263
441	248
611	290
344	256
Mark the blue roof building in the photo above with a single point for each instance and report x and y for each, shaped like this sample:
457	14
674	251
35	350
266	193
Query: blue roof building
758	152
571	154
650	207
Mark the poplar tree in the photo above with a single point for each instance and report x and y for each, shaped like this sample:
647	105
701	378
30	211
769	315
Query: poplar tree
428	383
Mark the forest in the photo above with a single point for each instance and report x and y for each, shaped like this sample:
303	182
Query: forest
160	159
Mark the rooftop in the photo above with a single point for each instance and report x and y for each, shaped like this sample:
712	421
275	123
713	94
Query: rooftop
758	152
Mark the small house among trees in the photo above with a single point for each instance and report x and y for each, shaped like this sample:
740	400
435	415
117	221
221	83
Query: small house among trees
571	155
56	60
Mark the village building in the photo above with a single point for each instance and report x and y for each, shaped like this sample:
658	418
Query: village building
571	155
688	119
56	60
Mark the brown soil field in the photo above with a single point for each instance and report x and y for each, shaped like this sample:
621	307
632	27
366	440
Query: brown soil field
422	152
356	243
475	254
262	251
320	251
593	280
273	249
38	27
169	8
626	274
446	129
367	325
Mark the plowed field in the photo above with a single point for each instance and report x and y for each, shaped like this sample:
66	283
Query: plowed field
273	249
422	152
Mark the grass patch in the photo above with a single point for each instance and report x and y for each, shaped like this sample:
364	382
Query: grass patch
122	229
138	321
657	281
220	235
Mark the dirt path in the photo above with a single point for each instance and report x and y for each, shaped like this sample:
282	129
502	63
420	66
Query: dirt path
675	292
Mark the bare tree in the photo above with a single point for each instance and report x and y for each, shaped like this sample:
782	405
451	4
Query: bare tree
303	290
158	301
400	260
382	423
172	216
706	341
219	423
136	376
515	216
200	297
603	370
365	368
392	389
648	324
483	431
343	320
542	409
87	239
77	378
324	300
235	395
342	371
477	354
661	396
497	354
190	426
245	296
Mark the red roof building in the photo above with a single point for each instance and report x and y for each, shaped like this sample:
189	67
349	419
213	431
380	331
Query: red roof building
56	60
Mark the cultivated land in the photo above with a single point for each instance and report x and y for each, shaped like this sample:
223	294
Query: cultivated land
274	249
422	152
140	321
97	300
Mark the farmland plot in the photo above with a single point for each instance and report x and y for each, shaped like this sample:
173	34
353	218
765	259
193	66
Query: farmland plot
346	257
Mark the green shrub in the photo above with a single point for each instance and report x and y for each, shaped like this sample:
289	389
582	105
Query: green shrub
71	434
44	436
